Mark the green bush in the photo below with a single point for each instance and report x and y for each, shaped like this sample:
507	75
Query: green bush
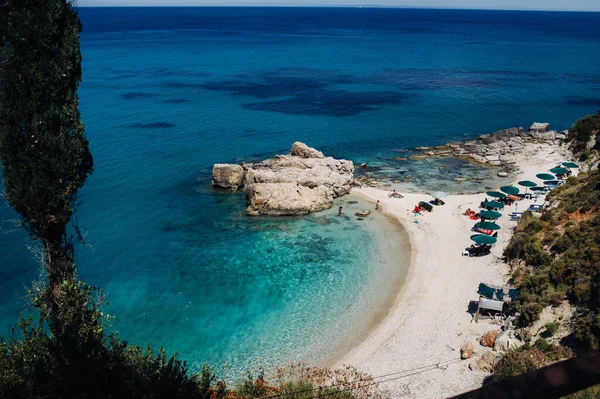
552	327
515	363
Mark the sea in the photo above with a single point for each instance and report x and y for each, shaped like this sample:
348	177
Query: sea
168	92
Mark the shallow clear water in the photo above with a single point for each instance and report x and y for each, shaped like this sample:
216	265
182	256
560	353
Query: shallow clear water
168	92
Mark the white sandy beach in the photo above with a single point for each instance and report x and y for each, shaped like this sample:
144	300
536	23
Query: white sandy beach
429	321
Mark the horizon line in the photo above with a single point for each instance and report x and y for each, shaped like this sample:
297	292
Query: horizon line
342	6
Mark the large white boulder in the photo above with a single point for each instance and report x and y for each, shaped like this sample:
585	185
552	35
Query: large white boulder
303	151
539	127
227	175
271	185
280	199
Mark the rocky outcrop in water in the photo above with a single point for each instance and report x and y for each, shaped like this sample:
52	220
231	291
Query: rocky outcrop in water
501	148
299	183
227	176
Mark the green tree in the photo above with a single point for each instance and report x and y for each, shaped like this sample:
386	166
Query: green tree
44	152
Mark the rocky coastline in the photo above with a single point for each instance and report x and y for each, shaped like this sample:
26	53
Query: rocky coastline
501	149
306	181
299	183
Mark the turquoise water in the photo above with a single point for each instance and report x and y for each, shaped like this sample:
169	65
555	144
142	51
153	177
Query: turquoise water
168	92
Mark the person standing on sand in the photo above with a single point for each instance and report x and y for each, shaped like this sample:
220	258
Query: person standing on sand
298	189
377	205
340	211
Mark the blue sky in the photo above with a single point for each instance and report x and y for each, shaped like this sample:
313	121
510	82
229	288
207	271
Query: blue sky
579	5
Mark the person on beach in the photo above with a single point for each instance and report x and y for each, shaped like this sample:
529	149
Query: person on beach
377	205
340	211
298	189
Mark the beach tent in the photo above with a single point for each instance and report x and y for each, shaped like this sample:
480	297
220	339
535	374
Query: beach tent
545	176
490	214
512	190
492	205
490	305
497	194
483	239
487	226
570	165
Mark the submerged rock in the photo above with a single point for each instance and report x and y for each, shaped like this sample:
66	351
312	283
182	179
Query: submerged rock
227	175
302	182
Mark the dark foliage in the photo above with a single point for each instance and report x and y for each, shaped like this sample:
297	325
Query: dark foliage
528	358
583	130
44	153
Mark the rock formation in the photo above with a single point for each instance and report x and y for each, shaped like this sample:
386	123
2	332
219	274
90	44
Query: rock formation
302	182
486	362
466	351
489	338
500	148
227	175
506	341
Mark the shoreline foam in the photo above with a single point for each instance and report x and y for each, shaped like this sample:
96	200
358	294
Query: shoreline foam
429	320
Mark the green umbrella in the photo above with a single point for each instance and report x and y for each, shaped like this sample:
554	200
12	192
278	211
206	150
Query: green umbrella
484	239
570	165
492	204
496	194
545	176
512	190
559	171
527	183
489	214
487	226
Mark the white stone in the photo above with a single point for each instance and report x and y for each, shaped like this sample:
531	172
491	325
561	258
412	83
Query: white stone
227	175
539	127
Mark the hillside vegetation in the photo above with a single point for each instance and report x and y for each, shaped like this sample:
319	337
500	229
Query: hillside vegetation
555	257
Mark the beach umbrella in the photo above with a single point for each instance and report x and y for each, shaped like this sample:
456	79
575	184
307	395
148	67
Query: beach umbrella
570	165
527	184
559	171
512	190
489	214
439	195
496	194
493	205
487	226
545	176
484	239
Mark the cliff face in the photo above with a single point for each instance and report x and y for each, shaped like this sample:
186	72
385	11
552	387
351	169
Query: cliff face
299	183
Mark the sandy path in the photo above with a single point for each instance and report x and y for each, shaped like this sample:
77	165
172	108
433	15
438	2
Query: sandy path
429	322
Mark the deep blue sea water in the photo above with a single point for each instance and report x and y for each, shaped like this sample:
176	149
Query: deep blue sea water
167	92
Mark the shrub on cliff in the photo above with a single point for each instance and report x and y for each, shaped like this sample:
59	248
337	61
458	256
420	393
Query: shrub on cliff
583	130
529	358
